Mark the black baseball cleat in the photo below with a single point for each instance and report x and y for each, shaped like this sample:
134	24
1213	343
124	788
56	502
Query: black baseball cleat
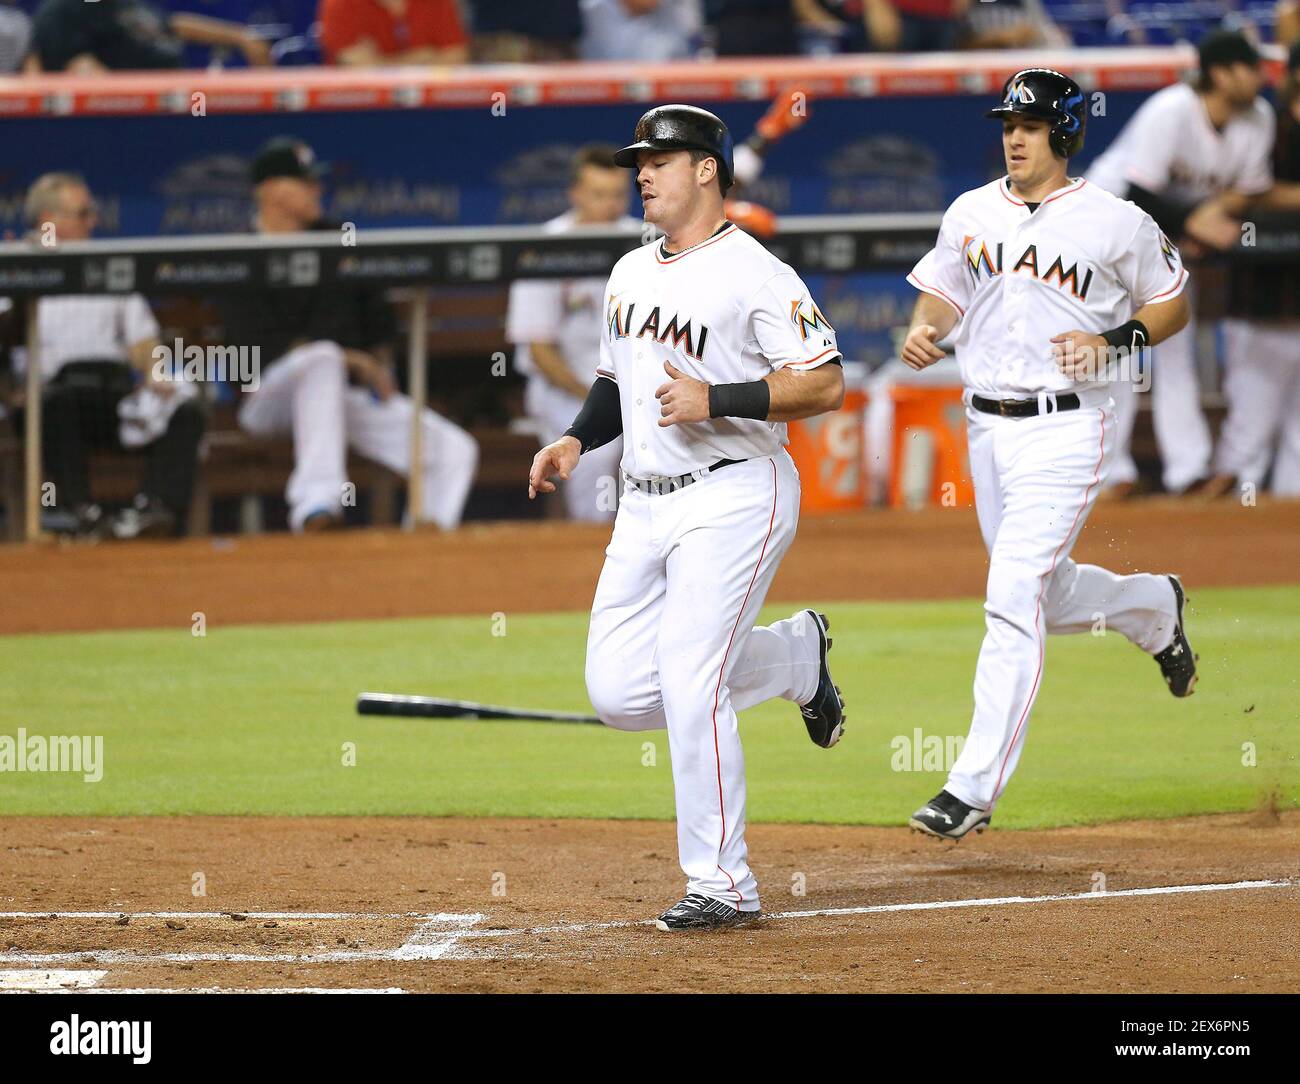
697	912
949	818
823	715
1178	660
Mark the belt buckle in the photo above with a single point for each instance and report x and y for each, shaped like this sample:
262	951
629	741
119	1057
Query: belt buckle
1004	408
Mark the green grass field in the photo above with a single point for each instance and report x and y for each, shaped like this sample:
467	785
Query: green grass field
255	720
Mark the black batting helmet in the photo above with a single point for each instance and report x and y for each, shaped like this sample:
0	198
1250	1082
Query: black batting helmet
681	128
1044	93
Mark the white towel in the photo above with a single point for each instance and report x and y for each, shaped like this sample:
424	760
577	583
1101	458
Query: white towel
144	415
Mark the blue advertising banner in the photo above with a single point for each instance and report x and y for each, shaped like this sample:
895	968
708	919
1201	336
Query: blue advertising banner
177	175
185	175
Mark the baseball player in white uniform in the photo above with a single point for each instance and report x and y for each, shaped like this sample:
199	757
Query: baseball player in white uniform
556	326
1043	283
711	344
328	375
1180	158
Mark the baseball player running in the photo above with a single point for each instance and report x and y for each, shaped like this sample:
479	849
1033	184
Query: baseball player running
1042	280
711	344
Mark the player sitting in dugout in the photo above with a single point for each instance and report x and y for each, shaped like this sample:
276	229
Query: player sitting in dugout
326	376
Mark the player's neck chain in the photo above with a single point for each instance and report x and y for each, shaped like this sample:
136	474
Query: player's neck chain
663	246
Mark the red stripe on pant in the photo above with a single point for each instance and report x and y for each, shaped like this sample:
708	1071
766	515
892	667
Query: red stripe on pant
717	692
1038	609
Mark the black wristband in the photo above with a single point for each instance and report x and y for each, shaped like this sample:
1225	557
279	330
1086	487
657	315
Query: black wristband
1128	338
752	399
601	418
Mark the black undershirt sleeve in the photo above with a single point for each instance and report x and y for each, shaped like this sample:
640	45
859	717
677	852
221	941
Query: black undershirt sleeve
1170	215
601	418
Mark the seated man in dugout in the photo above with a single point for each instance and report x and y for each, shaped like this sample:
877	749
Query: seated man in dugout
326	372
102	388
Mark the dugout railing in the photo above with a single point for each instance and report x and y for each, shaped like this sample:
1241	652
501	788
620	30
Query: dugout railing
412	263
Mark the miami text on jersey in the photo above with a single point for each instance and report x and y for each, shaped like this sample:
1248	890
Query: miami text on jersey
681	333
983	263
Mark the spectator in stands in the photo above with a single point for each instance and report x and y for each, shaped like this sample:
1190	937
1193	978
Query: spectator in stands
91	348
909	26
74	36
756	27
507	31
15	36
642	30
327	369
1011	24
556	326
377	33
1287	26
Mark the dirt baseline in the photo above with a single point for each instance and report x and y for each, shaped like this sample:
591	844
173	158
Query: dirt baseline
490	905
485	568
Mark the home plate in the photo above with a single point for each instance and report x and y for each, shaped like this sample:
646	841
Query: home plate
31	979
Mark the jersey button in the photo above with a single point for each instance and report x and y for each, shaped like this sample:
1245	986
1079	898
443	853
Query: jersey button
638	402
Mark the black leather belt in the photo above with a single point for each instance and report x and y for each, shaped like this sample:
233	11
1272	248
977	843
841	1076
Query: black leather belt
655	486
1023	408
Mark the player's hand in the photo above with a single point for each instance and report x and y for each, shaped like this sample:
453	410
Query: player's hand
558	458
164	387
1213	226
920	349
371	372
682	399
1080	355
884	25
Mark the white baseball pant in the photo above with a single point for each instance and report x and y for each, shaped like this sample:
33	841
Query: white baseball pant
1036	479
1123	468
1182	433
591	491
306	393
1262	386
672	644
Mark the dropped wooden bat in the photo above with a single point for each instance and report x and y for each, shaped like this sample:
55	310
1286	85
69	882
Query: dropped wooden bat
434	707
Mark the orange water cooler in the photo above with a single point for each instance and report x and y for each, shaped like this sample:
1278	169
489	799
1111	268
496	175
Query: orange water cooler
931	462
827	450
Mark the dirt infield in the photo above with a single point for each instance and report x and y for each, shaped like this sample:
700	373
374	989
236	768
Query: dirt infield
514	568
458	905
487	905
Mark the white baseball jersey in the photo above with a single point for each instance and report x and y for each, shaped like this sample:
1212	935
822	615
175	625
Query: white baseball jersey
567	312
1084	259
1170	147
723	311
77	327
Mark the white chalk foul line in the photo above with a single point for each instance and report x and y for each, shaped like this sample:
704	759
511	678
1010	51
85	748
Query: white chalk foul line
938	905
322	916
225	990
428	943
883	908
34	979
